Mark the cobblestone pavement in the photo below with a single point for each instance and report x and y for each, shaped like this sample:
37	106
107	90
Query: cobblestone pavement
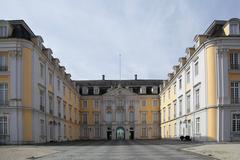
115	150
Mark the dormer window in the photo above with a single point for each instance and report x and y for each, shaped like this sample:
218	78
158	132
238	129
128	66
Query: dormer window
143	90
154	89
96	90
3	31
85	90
234	28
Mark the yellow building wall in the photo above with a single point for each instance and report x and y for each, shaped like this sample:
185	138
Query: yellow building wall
27	94
212	92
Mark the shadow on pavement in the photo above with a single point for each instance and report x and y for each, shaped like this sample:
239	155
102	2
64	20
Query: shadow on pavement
119	142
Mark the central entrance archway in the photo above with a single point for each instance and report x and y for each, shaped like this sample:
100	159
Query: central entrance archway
120	133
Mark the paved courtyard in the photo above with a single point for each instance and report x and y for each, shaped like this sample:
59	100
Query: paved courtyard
103	150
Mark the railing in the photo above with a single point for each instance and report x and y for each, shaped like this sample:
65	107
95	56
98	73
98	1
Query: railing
234	67
3	68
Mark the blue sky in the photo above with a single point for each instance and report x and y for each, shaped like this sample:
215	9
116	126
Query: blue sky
88	35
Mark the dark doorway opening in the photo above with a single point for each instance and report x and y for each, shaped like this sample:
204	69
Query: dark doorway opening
109	135
131	133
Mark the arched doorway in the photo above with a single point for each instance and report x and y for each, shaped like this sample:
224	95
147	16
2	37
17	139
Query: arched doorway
120	133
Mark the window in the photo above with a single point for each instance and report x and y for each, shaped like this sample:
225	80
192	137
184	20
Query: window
85	118
70	112
65	131
163	97
155	117
3	31
180	83
169	112
235	97
97	132
236	122
58	84
109	103
234	28
188	103
169	130
131	116
164	114
59	107
42	100
3	63
3	93
96	104
144	117
51	130
196	68
50	78
144	103
180	107
85	132
174	88
59	130
64	110
96	90
188	77
131	103
174	108
197	99
155	103
42	70
84	90
85	104
64	90
144	132
4	125
119	116
143	90
198	125
169	92
96	118
109	117
175	129
235	61
51	108
41	127
154	89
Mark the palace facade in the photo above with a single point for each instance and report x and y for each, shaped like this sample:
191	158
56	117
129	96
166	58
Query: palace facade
40	103
120	109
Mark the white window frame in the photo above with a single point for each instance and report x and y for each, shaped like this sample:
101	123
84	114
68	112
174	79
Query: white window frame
4	90
5	124
198	125
235	129
234	28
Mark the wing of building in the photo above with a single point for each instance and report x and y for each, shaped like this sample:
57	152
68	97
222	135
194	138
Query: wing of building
38	100
40	103
201	97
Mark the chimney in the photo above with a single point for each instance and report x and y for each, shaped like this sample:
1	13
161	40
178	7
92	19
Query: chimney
135	76
103	77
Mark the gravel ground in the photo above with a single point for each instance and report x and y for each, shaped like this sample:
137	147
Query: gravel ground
230	151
